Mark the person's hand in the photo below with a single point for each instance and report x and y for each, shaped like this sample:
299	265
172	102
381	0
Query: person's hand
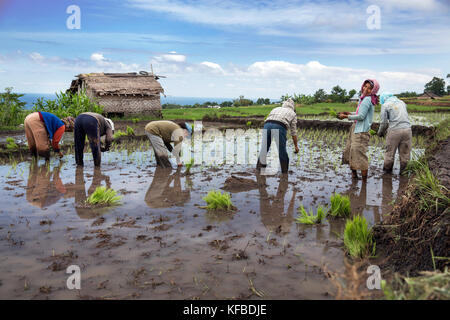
343	116
61	154
296	149
179	165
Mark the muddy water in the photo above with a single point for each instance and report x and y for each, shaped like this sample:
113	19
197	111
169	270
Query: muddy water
161	244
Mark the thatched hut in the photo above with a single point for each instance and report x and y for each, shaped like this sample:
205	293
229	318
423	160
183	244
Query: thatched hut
428	96
122	93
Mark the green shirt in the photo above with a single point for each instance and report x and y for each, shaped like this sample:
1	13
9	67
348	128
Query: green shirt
169	131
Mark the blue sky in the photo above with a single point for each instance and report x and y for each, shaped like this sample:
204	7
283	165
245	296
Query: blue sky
227	48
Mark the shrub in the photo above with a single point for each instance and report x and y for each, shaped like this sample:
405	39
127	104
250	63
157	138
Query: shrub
340	205
215	200
68	104
104	196
12	111
310	218
358	237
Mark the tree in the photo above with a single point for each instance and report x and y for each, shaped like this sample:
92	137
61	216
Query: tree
338	94
320	95
242	102
263	101
436	86
351	93
226	104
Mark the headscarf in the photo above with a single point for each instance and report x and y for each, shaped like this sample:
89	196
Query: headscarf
373	94
69	122
375	88
289	103
385	96
111	124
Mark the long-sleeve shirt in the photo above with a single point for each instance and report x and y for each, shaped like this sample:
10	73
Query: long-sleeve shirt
285	115
364	117
394	115
55	128
104	127
169	132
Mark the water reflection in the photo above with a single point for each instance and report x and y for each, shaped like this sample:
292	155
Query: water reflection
272	209
83	211
45	187
161	194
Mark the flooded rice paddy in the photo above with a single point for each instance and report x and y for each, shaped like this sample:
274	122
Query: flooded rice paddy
161	244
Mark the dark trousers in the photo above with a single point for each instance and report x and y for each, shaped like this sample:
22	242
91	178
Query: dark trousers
87	125
271	129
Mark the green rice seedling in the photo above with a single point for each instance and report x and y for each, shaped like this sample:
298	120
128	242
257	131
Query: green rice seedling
135	120
340	205
310	218
372	132
130	131
104	196
189	165
215	200
11	144
119	133
249	123
358	238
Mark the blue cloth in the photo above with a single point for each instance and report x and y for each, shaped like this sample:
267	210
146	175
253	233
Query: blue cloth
385	96
267	141
52	123
364	117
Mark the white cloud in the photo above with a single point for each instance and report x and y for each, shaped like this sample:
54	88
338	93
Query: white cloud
214	66
37	57
409	5
97	57
171	57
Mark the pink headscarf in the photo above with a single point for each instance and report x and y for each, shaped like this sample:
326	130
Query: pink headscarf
373	94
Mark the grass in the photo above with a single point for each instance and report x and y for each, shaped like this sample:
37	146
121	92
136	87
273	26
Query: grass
428	286
340	205
358	237
309	217
215	200
104	196
429	190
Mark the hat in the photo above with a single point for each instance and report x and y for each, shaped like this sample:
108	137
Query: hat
69	122
111	124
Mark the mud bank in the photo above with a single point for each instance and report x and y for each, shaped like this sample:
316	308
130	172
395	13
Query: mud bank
410	239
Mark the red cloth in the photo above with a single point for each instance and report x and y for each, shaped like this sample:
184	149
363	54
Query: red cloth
57	137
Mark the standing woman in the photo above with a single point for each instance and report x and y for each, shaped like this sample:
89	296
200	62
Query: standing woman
40	128
355	153
95	126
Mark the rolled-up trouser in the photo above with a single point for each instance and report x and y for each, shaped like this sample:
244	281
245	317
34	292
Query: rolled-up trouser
87	125
161	155
37	135
270	130
400	139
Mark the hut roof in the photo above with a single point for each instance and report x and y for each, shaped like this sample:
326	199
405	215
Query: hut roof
429	94
119	83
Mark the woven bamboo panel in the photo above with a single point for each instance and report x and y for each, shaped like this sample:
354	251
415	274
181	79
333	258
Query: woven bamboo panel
131	105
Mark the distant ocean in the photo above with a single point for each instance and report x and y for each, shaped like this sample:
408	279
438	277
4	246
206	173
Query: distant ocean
31	98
